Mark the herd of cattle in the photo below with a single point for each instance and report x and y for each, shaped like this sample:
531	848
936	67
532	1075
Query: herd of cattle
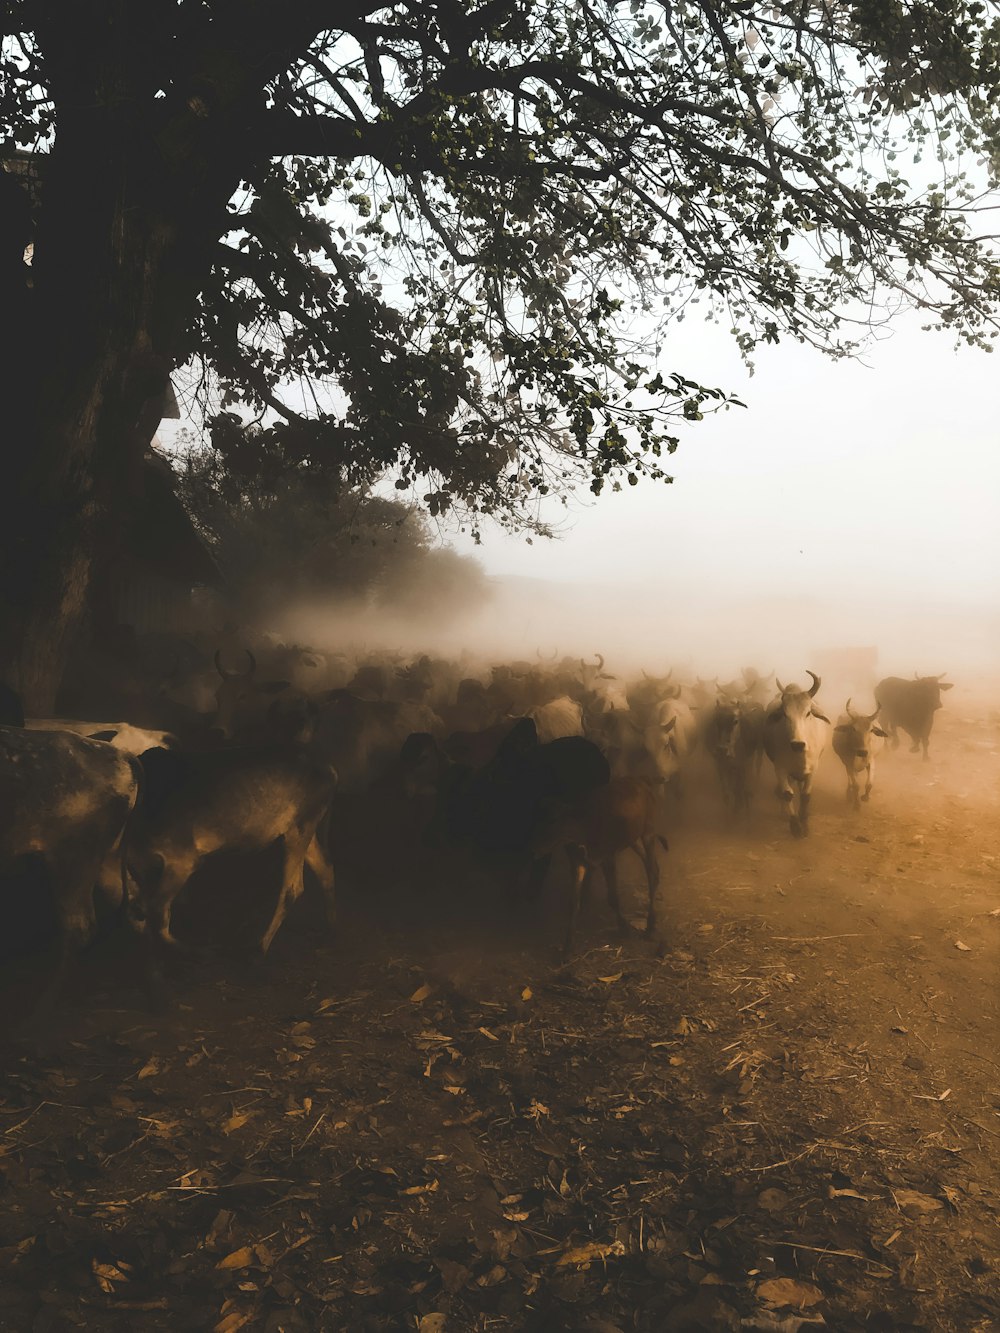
512	763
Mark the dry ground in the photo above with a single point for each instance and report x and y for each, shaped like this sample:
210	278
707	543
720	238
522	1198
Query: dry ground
790	1121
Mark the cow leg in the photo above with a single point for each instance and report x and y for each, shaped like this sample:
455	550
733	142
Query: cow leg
868	783
652	867
109	883
291	888
800	823
74	888
319	863
536	877
852	791
787	796
119	890
578	872
158	900
609	868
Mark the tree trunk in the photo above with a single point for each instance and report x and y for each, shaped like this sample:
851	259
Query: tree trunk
133	197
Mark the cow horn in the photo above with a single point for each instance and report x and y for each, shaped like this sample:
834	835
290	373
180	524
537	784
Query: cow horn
873	716
781	688
220	668
600	661
847	709
252	660
817	682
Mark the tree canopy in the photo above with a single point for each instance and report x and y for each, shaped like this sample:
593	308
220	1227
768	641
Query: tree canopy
443	242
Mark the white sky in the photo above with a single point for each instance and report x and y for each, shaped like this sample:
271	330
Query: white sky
876	479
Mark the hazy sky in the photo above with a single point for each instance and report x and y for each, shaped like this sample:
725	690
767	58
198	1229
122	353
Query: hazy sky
877	479
852	502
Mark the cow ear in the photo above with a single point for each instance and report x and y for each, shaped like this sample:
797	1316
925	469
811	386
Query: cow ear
877	731
945	684
822	716
274	686
101	735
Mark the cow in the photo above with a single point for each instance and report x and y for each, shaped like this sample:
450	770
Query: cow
668	739
620	734
643	696
242	799
611	819
854	747
65	800
756	688
122	735
472	711
475	749
795	736
733	737
252	711
361	738
371	680
502	811
910	705
559	718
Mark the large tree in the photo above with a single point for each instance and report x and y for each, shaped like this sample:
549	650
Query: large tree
445	217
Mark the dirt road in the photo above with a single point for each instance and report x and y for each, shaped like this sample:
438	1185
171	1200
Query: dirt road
790	1120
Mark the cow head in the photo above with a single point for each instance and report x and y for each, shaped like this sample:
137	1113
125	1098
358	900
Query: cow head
660	742
241	699
855	731
794	709
932	687
726	721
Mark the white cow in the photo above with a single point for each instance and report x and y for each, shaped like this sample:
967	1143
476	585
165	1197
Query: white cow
561	717
122	735
795	736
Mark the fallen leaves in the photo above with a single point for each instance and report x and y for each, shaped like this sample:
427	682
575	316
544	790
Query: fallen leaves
107	1274
914	1204
582	1255
786	1291
241	1258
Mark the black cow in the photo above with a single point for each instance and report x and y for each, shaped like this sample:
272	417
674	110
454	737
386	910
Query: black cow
910	705
734	738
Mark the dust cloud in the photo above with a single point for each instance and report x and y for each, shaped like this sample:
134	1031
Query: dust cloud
851	640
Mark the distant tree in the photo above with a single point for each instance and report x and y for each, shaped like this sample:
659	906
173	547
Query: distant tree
298	538
445	215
